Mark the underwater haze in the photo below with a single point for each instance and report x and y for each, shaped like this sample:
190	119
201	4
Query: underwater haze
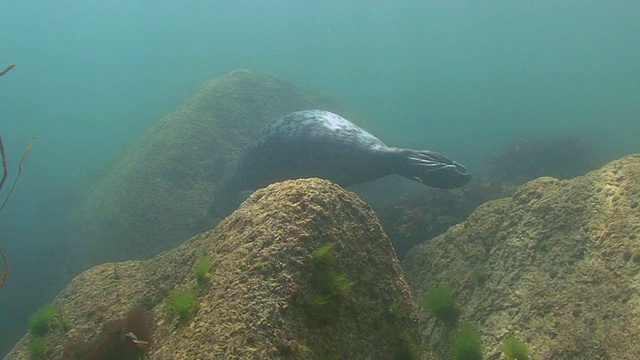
465	78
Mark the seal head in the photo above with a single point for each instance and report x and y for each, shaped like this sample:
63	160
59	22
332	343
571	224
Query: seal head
433	169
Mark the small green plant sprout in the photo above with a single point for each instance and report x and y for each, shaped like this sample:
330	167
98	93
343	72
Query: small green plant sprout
464	343
396	310
320	309
440	302
514	349
323	254
40	320
60	317
37	347
329	288
318	303
202	268
367	277
182	303
408	349
479	275
332	289
338	285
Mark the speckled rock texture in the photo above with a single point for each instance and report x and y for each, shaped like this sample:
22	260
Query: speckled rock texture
253	304
562	266
158	192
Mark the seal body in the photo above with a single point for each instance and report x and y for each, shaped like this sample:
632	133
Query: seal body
318	143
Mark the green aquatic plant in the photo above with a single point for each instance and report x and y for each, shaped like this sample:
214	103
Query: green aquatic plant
320	309
182	303
328	291
465	344
40	320
317	303
323	254
338	285
328	287
440	302
325	277
202	267
514	349
408	349
479	275
397	311
37	347
367	277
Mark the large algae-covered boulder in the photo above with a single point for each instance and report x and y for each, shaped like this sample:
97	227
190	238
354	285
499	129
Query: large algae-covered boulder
557	266
160	190
302	270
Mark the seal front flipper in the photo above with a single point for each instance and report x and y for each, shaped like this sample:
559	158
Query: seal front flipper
432	169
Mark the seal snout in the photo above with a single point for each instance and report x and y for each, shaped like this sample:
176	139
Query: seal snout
448	176
458	177
434	169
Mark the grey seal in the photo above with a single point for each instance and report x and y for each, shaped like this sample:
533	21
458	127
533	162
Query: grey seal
318	143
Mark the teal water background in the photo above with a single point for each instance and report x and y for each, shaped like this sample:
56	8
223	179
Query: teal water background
462	77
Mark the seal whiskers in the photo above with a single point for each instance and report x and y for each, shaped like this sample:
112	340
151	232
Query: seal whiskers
432	169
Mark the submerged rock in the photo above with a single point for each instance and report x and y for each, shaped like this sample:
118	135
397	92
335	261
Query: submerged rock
557	266
302	270
159	191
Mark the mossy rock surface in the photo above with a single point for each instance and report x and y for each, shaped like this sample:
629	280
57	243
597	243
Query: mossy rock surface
561	260
252	304
158	193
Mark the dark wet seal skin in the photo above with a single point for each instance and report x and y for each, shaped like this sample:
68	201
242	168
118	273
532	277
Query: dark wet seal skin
318	143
